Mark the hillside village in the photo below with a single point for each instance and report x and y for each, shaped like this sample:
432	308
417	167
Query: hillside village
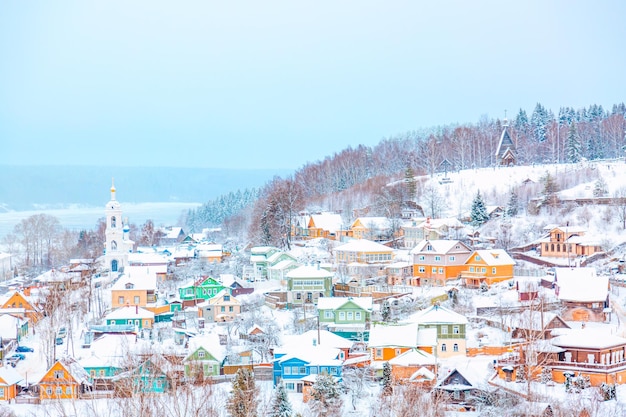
432	306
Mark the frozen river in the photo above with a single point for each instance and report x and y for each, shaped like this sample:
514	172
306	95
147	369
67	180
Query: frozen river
78	218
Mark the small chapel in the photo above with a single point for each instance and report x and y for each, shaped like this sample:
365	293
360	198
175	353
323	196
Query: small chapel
118	244
505	153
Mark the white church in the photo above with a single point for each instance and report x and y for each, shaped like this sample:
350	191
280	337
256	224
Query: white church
117	245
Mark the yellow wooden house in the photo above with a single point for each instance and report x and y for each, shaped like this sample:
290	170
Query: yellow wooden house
20	305
8	383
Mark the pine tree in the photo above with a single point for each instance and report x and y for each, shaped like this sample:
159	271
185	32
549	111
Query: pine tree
385	311
387	387
573	146
326	398
479	214
513	205
243	398
539	122
411	186
550	190
281	407
600	188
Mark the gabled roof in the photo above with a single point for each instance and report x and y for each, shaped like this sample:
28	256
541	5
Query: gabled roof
210	343
8	376
404	335
581	284
130	312
73	368
505	144
331	222
494	257
313	355
363	245
378	223
308	271
588	338
414	357
437	314
310	338
139	277
333	303
440	246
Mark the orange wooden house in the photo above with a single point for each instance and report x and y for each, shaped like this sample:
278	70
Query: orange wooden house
66	379
8	383
414	366
25	307
488	266
436	261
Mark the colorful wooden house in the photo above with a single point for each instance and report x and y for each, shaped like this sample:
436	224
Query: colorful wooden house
9	379
137	287
348	317
291	368
450	327
146	378
569	242
66	379
416	366
583	294
223	307
264	257
307	284
26	308
372	228
101	371
458	390
389	341
200	289
437	261
487	266
430	229
135	316
315	226
205	359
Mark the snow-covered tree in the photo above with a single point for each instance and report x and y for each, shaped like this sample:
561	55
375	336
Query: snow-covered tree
385	311
281	407
573	147
600	188
243	399
479	214
512	207
326	398
387	382
539	121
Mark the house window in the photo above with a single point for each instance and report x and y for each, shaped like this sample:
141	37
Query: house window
231	309
313	370
328	314
113	222
298	296
471	269
455	330
457	395
483	270
443	347
287	370
444	329
342	315
49	391
493	270
422	257
452	258
92	373
434	270
357	315
120	300
333	371
350	315
477	257
136	300
455	347
441	270
289	386
437	258
59	390
422	269
379	353
101	372
201	354
302	370
114	245
222	309
59	374
68	390
227	298
2	393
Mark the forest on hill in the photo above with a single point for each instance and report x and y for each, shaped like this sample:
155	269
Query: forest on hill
384	178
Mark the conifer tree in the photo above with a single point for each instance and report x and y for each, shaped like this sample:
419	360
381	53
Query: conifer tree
479	214
387	387
243	398
385	311
281	407
326	398
513	205
573	147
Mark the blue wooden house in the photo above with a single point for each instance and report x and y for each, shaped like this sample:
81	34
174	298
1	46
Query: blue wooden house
293	366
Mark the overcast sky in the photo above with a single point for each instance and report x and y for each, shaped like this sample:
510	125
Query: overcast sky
277	84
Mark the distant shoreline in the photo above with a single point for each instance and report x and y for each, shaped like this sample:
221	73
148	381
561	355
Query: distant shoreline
77	217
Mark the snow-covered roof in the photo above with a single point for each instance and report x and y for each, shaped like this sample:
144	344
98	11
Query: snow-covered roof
9	376
135	258
581	284
130	312
313	355
211	343
363	245
139	277
495	257
310	338
378	223
590	338
414	357
437	314
8	326
333	303
309	271
438	246
331	222
404	335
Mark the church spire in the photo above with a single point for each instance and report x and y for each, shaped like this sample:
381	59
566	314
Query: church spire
112	189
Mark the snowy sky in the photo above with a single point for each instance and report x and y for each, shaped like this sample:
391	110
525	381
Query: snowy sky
277	84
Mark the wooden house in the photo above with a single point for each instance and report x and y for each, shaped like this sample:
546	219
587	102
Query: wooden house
137	287
569	242
223	307
307	284
450	327
437	261
65	379
26	307
348	317
487	266
583	293
415	366
9	379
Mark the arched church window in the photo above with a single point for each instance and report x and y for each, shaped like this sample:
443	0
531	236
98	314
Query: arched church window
114	265
113	245
113	222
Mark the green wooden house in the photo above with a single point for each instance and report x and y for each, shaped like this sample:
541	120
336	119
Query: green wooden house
201	289
205	358
135	316
307	284
146	378
100	370
347	317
